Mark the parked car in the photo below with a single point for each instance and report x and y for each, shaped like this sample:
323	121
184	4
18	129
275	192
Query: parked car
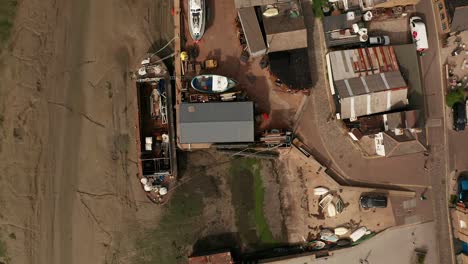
380	40
373	201
459	116
419	33
462	192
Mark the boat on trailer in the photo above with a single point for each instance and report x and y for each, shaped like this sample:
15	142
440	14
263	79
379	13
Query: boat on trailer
212	84
156	134
196	18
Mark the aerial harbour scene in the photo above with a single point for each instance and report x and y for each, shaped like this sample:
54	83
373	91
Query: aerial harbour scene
234	131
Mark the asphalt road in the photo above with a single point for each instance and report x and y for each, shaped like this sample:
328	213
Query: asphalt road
431	70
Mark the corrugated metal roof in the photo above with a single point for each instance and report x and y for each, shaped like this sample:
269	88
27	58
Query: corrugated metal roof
216	122
378	102
369	84
253	34
354	63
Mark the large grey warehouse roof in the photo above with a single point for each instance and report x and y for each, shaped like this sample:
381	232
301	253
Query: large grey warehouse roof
216	122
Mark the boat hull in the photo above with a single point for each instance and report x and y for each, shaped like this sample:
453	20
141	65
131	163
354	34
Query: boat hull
196	19
210	84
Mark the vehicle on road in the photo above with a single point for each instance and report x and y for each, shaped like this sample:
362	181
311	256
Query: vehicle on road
419	34
379	40
462	192
459	116
373	201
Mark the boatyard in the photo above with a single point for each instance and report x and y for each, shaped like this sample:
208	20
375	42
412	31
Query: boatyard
207	131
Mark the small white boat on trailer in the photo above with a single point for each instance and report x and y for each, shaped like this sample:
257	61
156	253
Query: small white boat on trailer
197	18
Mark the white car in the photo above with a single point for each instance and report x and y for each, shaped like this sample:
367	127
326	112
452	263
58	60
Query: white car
419	34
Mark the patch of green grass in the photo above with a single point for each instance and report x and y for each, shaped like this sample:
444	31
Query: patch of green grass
263	229
248	198
317	7
455	96
7	15
178	229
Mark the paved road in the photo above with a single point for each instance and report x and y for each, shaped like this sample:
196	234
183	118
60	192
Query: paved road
431	69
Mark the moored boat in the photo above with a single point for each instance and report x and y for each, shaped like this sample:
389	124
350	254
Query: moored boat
316	245
212	84
196	18
157	161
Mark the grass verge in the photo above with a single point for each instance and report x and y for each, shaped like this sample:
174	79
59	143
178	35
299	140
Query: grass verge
7	14
454	96
317	7
248	197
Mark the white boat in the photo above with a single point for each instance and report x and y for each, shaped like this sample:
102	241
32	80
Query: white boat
341	231
316	244
196	18
326	201
321	190
331	210
358	233
212	84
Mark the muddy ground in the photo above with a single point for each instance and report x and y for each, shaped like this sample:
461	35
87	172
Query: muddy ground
69	192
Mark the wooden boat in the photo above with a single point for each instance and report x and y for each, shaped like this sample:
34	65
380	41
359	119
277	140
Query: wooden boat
358	234
212	84
344	242
341	231
316	245
321	190
196	18
157	161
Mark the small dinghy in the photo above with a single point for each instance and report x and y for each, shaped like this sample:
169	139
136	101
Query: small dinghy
344	242
196	18
212	84
316	245
358	234
321	190
331	210
341	231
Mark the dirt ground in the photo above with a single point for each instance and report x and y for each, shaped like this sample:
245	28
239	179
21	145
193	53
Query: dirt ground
69	192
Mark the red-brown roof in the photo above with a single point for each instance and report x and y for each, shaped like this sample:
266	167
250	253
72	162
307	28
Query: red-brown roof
220	258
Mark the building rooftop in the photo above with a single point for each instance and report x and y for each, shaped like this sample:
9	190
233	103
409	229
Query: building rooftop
287	30
346	64
369	84
219	258
459	19
250	3
216	122
252	31
397	145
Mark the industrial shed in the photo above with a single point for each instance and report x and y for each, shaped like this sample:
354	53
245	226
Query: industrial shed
219	122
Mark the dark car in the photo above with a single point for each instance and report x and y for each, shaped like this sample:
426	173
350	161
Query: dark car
463	188
459	116
373	201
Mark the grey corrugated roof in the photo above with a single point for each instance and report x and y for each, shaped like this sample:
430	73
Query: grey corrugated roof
460	19
216	122
252	31
369	84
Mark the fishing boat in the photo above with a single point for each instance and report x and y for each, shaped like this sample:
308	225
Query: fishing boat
156	134
321	190
196	18
316	245
212	84
341	231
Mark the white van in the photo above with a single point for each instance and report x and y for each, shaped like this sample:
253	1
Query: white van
419	34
